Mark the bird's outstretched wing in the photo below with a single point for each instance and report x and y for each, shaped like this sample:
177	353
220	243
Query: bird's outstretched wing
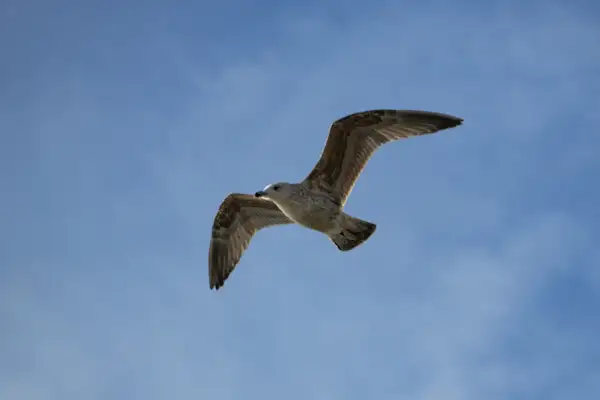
239	217
353	139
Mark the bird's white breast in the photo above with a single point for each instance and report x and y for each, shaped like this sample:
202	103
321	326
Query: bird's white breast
314	212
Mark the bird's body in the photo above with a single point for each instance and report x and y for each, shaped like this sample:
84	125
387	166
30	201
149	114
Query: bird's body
317	202
311	208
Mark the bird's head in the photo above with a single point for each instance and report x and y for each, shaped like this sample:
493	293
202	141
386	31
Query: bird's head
275	191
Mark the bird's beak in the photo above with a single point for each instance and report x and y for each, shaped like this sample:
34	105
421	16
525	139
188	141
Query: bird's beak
259	194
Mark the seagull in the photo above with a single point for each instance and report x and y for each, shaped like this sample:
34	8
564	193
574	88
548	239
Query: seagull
318	201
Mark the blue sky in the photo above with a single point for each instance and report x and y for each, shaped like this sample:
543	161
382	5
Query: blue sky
122	128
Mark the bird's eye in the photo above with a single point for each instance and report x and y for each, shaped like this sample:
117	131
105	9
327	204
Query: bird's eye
276	187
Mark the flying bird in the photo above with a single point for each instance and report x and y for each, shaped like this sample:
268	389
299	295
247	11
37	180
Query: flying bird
318	201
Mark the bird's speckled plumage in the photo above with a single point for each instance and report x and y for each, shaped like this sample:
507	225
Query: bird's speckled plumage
318	201
239	217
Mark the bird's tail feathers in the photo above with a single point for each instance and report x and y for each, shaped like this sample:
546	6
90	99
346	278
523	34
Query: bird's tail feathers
354	232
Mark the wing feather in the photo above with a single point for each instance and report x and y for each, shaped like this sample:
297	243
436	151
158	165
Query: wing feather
239	217
353	139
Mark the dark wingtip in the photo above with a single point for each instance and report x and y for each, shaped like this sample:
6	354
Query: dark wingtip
445	121
217	282
448	120
441	120
452	122
216	285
